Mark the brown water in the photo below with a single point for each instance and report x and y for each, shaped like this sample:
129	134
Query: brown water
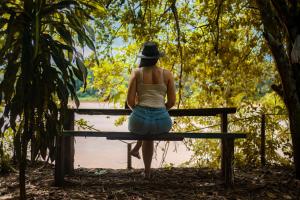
102	153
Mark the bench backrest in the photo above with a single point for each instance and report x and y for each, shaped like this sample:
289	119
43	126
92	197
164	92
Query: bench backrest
172	112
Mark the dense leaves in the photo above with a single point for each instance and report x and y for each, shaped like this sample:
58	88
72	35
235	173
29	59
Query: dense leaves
218	56
40	61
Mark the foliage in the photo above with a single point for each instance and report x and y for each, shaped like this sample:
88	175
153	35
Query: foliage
218	57
6	151
54	62
40	60
215	49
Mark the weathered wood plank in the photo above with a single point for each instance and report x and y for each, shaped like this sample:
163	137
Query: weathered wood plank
224	129
228	162
129	163
171	135
172	112
165	137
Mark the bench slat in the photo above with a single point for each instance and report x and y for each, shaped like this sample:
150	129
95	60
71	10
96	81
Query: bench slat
172	112
165	137
169	136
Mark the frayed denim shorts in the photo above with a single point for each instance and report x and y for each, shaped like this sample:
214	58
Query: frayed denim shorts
146	120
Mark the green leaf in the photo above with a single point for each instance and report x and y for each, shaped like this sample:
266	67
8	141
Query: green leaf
10	76
3	22
83	69
73	94
64	33
91	31
58	6
62	92
10	31
78	74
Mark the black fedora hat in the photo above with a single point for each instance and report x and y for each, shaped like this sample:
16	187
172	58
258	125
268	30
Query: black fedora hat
150	51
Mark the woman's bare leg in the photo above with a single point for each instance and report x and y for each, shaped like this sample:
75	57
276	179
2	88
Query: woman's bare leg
147	150
135	151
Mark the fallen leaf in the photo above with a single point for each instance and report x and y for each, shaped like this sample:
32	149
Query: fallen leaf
271	195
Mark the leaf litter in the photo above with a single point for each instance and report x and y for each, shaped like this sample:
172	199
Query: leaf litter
174	183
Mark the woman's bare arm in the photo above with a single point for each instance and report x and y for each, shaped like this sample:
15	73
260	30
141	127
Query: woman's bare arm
171	91
131	93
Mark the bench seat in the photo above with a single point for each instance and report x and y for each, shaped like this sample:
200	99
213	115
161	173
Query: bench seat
172	136
65	150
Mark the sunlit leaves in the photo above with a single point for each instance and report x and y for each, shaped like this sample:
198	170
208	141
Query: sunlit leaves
40	70
225	61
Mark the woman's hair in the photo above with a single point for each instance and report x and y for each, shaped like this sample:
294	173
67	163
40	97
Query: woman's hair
147	62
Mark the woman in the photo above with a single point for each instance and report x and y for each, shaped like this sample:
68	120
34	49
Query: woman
148	86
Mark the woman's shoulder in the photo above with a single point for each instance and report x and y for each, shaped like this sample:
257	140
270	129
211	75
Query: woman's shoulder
166	72
135	71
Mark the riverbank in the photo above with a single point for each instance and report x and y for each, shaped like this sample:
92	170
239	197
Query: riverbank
167	183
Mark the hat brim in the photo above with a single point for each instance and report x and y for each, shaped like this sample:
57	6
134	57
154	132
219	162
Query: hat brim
151	57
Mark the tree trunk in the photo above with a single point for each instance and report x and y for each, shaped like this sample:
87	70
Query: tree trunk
27	70
283	15
22	170
294	116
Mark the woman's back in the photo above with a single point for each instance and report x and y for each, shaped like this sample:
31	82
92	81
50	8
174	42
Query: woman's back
151	87
153	75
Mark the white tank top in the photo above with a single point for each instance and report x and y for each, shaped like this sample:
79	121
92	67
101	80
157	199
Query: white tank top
151	95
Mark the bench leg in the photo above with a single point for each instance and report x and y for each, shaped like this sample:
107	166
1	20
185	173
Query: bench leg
224	128
129	163
59	171
223	157
228	154
69	154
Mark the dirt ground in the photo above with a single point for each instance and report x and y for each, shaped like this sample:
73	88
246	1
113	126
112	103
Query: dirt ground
171	183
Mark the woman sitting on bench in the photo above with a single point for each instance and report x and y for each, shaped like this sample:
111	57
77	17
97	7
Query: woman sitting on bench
148	86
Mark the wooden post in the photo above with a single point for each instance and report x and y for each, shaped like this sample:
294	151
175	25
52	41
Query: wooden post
69	142
129	165
228	162
263	141
224	124
227	153
59	171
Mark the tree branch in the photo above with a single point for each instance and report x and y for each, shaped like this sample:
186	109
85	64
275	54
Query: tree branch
219	5
175	13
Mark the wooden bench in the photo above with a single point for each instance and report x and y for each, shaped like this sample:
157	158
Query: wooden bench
64	160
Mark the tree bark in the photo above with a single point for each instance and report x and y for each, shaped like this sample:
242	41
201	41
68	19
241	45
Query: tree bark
26	72
22	170
294	116
275	16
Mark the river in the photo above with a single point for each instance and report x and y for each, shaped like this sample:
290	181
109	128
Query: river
99	152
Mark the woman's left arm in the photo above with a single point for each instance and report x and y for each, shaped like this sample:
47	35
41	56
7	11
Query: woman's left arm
131	94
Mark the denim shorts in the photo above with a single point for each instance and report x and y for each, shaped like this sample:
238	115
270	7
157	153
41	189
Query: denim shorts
146	120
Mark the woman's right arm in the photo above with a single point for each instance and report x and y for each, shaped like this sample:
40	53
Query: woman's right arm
171	91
